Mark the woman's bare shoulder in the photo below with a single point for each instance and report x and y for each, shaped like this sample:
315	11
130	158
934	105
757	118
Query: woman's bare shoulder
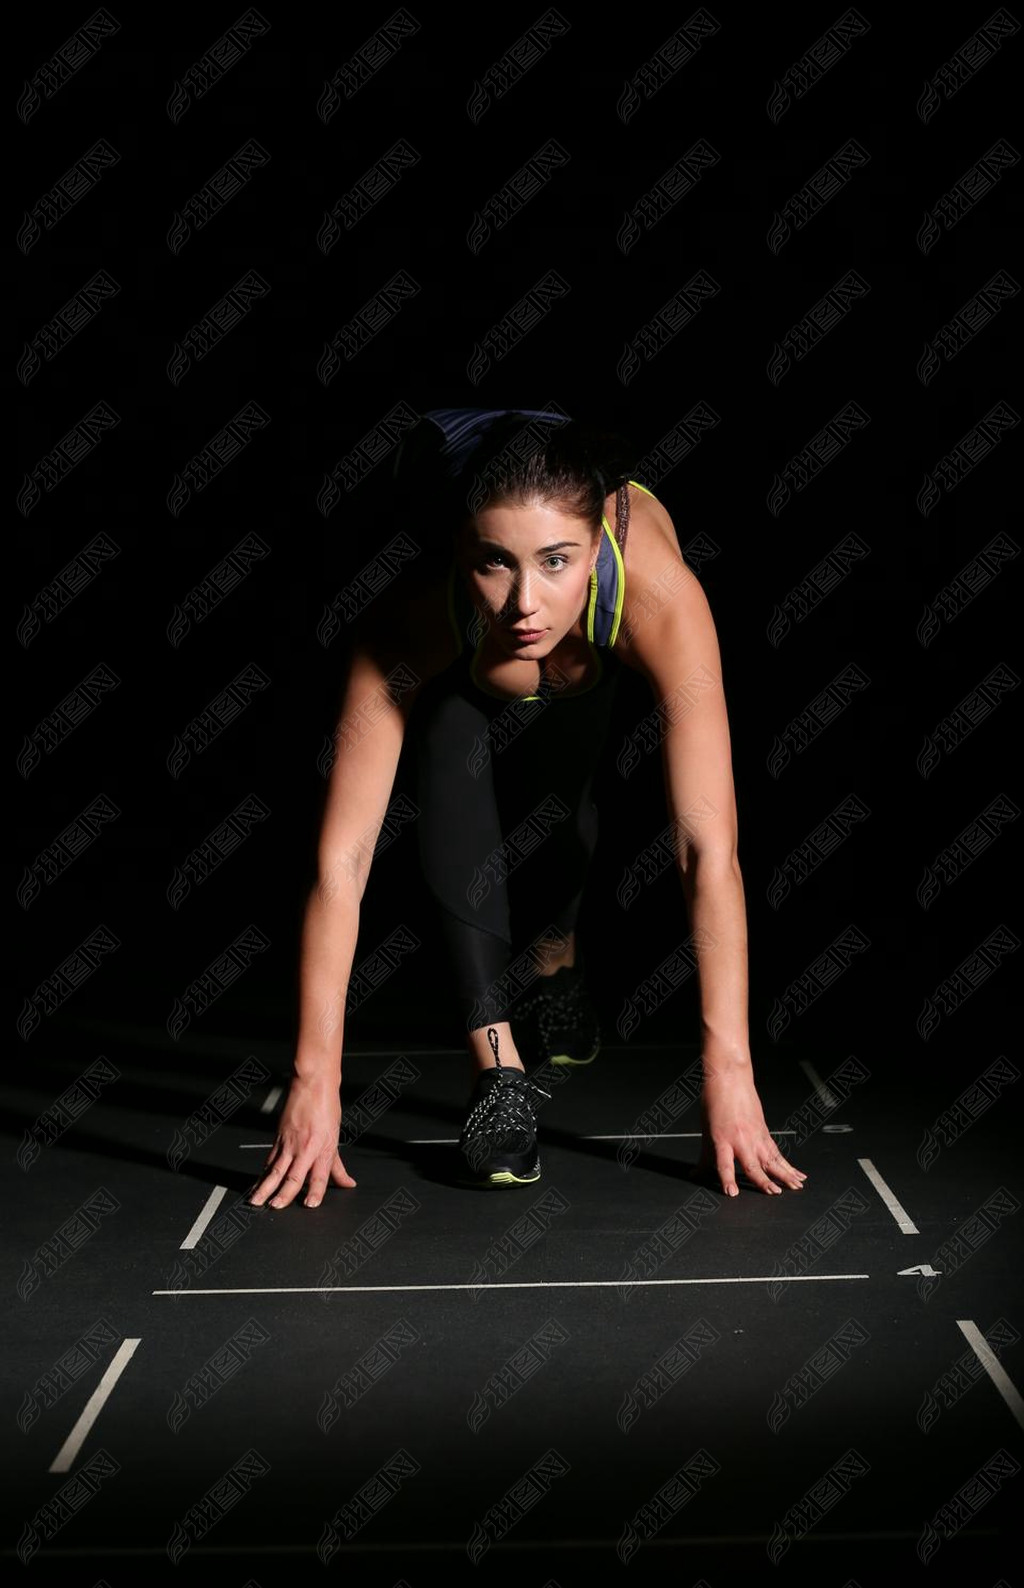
655	570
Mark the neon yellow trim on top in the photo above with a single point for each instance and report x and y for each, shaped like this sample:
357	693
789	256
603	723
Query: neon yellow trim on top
620	587
620	596
592	603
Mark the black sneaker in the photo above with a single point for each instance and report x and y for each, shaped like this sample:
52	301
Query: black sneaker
555	1021
498	1142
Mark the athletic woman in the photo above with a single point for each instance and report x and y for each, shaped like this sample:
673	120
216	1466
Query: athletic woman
500	659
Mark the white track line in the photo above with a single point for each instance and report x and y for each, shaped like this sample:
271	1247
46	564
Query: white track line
828	1099
210	1207
990	1362
895	1207
407	1546
664	1135
448	1141
533	1284
271	1099
93	1406
398	1053
606	1047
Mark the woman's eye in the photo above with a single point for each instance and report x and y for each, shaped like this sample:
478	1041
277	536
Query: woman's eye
557	558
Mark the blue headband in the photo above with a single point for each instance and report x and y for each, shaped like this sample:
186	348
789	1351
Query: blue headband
463	429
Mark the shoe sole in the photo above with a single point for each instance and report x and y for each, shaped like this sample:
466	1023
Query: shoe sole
567	1058
501	1177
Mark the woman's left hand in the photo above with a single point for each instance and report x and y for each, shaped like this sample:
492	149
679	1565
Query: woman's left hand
733	1126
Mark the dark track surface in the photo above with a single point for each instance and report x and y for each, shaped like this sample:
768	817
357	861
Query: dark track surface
484	1337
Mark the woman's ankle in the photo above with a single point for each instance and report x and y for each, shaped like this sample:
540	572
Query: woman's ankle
481	1047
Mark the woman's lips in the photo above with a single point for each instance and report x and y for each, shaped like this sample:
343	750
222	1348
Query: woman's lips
528	636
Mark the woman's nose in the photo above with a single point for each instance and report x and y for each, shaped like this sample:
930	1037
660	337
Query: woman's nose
524	599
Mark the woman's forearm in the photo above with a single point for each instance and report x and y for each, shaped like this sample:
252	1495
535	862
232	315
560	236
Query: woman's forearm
713	887
329	933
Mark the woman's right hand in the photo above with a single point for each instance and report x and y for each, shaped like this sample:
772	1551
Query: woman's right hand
306	1144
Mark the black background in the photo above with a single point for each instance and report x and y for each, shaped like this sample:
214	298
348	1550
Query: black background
718	496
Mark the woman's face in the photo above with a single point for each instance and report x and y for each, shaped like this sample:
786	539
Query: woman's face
528	569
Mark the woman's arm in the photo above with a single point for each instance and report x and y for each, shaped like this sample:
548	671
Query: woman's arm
403	642
367	746
368	742
670	637
389	664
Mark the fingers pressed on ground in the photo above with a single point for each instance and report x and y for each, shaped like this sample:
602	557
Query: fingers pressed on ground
291	1185
340	1173
727	1172
268	1184
794	1178
756	1175
769	1161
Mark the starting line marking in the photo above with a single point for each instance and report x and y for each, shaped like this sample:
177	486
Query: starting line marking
450	1141
93	1406
990	1362
505	1545
895	1207
210	1207
530	1284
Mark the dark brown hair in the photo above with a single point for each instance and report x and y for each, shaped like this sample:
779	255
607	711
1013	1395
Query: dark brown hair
520	460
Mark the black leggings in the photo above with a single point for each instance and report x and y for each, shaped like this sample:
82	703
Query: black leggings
507	824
